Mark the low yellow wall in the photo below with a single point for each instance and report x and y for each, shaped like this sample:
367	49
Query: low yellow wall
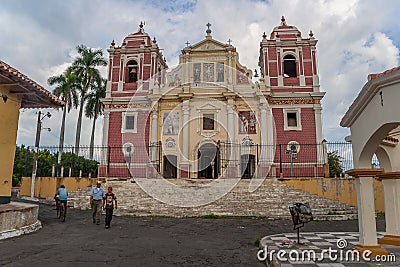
341	189
46	186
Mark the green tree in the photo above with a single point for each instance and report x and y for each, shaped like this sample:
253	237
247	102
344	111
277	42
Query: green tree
77	164
95	107
85	66
67	85
45	163
335	164
23	163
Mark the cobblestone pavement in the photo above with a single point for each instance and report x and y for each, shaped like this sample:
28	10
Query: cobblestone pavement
146	241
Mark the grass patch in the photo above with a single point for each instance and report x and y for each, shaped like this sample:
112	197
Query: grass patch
209	216
213	216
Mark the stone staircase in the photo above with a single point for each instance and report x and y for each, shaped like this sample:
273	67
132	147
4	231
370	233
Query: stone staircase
270	200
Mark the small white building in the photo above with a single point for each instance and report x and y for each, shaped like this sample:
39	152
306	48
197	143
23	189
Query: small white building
374	121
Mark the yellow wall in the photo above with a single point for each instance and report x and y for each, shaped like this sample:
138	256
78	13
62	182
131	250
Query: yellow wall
46	186
341	189
9	115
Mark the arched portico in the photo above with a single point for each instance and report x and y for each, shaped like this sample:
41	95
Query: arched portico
374	124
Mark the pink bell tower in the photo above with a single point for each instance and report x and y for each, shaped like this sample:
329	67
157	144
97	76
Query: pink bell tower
289	67
132	67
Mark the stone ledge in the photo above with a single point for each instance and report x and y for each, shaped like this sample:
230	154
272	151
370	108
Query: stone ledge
18	218
24	230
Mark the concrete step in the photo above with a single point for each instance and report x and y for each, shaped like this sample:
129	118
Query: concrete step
271	200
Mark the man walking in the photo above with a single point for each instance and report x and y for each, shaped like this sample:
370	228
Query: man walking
108	204
96	197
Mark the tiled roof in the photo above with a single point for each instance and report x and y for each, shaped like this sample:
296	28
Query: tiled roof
32	94
376	75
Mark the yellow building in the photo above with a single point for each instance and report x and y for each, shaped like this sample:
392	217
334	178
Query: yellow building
17	91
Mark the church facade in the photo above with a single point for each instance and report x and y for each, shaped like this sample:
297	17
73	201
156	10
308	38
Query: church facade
206	118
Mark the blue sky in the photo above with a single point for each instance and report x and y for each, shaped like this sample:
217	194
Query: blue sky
355	38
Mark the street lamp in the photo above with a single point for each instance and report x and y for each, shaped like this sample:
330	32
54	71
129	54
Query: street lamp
292	151
128	150
35	157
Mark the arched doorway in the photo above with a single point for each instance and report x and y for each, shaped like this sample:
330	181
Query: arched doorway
170	169
247	165
208	161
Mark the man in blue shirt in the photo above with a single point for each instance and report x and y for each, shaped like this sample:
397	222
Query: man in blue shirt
62	196
96	197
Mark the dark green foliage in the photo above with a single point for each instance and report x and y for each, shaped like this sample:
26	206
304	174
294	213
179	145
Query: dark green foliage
78	163
23	164
335	164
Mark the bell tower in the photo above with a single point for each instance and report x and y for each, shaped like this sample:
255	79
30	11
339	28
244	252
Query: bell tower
289	68
131	71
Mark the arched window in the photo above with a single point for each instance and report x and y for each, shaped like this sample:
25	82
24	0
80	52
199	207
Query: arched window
132	72
289	66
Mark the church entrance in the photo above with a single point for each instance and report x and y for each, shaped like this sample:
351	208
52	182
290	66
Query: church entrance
248	164
170	169
208	161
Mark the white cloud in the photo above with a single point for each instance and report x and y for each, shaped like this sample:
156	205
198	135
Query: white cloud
355	38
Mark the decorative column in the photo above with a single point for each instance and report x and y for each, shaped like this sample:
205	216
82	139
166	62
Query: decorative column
121	77
154	126
265	136
230	67
106	124
391	189
184	166
318	132
231	168
187	68
152	166
366	211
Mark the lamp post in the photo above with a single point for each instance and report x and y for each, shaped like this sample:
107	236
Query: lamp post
292	155
128	150
36	150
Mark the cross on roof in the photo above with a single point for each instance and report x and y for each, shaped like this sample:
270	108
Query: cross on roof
187	43
229	41
208	31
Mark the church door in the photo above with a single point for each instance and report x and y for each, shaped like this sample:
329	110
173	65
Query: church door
208	161
170	169
248	164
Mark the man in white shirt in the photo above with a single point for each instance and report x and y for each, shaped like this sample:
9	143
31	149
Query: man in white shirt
96	197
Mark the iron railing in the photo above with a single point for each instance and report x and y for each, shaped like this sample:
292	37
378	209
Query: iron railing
149	161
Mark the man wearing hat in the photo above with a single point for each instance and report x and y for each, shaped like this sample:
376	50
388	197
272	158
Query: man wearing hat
96	197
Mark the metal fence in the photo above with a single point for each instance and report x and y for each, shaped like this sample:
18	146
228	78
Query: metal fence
116	161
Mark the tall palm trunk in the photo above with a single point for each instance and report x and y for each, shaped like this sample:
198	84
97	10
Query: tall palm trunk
61	143
78	127
92	137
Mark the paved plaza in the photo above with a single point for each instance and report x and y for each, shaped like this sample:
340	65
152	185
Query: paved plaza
150	241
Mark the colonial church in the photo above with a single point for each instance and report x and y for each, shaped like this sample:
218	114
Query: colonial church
206	118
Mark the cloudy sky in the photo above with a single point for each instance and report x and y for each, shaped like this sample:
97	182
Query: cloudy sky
355	38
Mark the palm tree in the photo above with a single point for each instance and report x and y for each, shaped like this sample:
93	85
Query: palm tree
66	88
94	107
85	66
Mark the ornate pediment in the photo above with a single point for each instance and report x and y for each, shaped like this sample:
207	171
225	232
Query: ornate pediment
207	45
208	106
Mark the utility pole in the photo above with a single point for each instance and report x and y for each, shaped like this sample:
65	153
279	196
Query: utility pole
36	150
35	157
